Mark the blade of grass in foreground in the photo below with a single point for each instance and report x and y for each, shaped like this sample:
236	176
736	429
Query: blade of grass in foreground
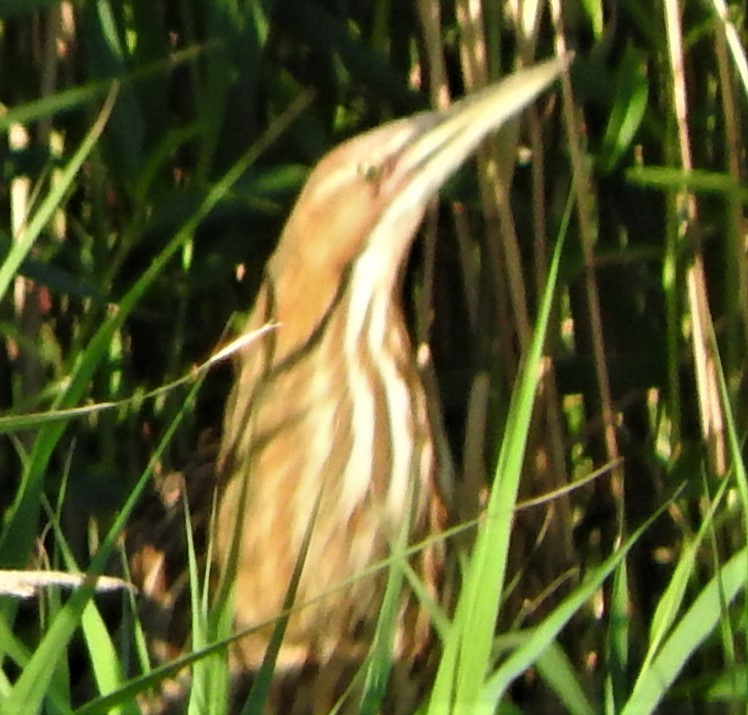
690	632
380	661
260	690
544	635
467	651
105	660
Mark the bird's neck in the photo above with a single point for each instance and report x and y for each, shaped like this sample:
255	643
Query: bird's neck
304	300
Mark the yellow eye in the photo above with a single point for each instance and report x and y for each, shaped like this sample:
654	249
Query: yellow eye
368	172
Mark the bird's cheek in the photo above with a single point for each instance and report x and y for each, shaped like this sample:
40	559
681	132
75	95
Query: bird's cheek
350	217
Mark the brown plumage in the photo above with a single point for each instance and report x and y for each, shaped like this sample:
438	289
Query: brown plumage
327	426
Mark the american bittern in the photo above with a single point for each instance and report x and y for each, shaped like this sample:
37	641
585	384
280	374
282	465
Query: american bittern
329	411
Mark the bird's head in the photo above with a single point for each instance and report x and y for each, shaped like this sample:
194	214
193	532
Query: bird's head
365	199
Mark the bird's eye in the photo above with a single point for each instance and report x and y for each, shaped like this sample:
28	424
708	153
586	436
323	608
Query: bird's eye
368	172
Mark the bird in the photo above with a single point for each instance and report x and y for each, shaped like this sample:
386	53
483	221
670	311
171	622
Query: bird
327	459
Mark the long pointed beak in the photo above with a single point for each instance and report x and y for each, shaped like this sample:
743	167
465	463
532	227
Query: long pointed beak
439	142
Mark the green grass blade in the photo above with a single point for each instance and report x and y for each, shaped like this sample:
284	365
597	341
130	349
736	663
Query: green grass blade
557	671
693	628
546	632
468	648
617	641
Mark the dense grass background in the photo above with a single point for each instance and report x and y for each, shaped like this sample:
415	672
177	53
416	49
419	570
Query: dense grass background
150	152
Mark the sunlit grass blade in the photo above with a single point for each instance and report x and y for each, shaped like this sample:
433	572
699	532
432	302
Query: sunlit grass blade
105	659
691	630
467	650
545	634
558	672
669	606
